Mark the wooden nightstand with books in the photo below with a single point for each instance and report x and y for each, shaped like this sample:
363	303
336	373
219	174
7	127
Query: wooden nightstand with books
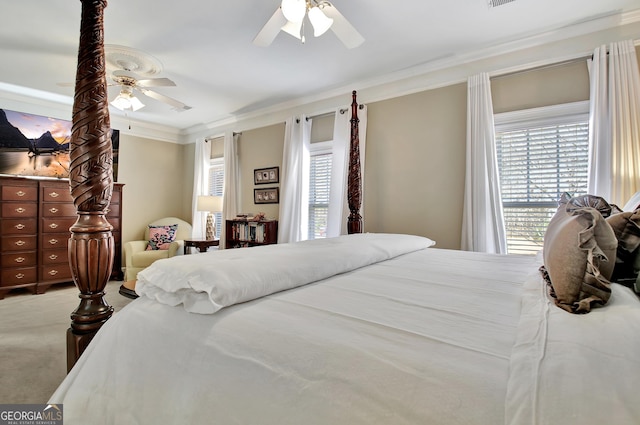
240	233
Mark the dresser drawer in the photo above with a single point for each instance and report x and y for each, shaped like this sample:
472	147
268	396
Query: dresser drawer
19	193
19	243
55	256
18	259
54	240
55	272
60	193
58	210
19	209
18	276
19	226
57	225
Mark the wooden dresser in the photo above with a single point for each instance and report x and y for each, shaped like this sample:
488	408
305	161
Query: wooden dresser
34	233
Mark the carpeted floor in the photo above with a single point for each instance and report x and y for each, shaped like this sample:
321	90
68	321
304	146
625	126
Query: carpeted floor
33	330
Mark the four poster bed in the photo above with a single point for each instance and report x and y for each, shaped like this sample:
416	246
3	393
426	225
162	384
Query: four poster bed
359	329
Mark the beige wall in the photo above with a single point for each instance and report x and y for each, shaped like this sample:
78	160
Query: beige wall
158	182
260	148
415	150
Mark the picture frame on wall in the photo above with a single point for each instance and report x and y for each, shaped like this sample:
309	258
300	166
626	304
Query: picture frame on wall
267	195
269	175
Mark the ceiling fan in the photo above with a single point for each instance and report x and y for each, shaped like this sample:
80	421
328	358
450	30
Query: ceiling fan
290	18
132	69
128	82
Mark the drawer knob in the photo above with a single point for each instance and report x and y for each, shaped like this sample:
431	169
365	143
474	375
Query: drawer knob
53	210
54	194
19	226
53	272
20	243
21	193
20	276
20	210
53	256
20	260
53	226
53	241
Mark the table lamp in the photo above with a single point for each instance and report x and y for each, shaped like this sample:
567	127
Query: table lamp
210	204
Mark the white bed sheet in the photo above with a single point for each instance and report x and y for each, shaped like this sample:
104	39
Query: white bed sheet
575	368
424	338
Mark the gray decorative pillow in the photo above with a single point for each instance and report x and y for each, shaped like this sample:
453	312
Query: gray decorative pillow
579	255
626	226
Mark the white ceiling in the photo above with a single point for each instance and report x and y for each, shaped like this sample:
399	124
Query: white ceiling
206	47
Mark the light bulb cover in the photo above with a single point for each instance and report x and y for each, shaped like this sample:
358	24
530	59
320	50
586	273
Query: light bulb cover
320	22
294	10
293	28
124	101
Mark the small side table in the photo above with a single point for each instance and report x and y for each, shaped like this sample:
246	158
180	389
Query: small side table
201	243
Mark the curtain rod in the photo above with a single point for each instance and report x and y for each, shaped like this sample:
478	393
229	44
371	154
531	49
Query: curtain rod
208	139
343	110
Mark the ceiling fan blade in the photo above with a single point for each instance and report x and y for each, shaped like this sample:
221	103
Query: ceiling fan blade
349	36
155	82
271	29
166	99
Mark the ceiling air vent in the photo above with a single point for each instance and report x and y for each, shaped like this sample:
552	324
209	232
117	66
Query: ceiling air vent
496	3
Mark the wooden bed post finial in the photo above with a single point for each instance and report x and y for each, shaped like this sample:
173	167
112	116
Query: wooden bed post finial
91	245
354	184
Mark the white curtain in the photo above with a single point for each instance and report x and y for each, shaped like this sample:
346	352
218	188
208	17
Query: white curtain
482	220
338	206
294	186
230	200
200	177
614	123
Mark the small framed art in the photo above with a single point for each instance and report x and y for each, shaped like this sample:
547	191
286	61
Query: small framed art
268	195
266	175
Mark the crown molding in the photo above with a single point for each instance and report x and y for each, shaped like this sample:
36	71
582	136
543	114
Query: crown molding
568	42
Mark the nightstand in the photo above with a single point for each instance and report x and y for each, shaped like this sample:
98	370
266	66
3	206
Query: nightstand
201	243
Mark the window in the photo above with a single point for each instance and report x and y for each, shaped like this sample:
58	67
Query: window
216	187
542	153
319	187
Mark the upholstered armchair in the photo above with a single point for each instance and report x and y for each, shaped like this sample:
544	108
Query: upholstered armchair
164	238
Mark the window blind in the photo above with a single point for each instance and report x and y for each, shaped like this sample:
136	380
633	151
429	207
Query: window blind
319	185
216	187
536	166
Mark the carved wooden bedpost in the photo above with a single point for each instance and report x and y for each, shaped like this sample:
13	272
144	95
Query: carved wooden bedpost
354	185
91	245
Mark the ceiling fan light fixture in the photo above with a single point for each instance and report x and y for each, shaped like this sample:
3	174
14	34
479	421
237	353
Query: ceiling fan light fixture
126	102
320	22
293	28
294	10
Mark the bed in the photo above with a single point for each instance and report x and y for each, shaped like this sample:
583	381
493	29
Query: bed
365	328
386	329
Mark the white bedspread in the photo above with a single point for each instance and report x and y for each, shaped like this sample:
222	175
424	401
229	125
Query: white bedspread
422	338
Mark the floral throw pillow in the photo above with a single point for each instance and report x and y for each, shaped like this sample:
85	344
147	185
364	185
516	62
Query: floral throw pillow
160	237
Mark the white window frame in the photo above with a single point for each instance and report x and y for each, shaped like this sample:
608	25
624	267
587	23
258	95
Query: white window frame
315	149
216	163
533	118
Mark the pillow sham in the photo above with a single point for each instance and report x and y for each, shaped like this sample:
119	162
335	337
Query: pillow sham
626	226
579	252
160	237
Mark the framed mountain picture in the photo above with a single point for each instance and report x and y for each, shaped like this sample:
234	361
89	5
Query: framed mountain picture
38	146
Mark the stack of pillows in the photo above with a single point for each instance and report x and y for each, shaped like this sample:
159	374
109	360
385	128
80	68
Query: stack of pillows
588	244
